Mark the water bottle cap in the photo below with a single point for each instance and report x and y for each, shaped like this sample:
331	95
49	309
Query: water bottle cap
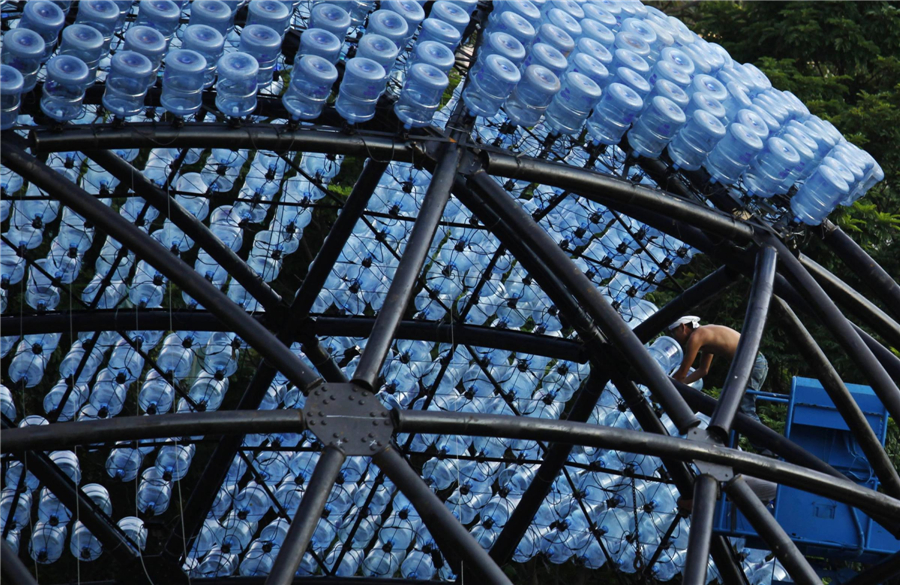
131	64
185	61
591	28
587	87
202	38
82	37
595	49
375	44
840	168
584	63
334	15
746	136
512	21
549	56
630	59
671	72
439	29
703	101
211	10
147	39
641	29
631	78
318	69
555	37
541	78
410	10
440	55
678	58
320	39
710	124
428	75
159	10
238	66
44	14
671	91
752	120
258	37
833	176
389	24
759	79
802	143
782	150
11	81
565	21
502	68
269	10
507	45
451	13
365	69
68	69
766	117
632	42
99	11
24	42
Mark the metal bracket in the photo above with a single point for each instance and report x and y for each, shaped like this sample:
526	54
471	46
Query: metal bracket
721	473
348	417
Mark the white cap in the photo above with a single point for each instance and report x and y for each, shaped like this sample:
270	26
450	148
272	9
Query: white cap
693	320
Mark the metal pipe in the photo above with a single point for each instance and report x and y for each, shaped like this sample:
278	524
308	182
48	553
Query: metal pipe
696	560
452	538
614	190
878	574
483	425
828	314
843	400
609	321
748	345
859	261
307	517
190	225
13	569
409	268
130	428
190	281
887	359
767	527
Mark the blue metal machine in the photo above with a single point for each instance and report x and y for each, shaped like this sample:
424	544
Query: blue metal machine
822	527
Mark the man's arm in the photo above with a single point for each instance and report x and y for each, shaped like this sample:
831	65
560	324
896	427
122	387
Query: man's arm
702	371
694	344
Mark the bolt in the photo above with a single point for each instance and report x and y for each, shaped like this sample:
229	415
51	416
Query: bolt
335	435
333	397
362	402
373	414
353	389
371	435
362	439
325	402
349	397
387	423
321	413
374	423
312	423
365	394
324	422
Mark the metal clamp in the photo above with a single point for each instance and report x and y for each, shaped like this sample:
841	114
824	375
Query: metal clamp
348	417
721	473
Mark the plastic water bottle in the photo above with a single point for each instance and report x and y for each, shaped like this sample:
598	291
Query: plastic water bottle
546	56
411	11
736	101
102	15
183	81
40	292
330	17
571	106
84	545
109	393
696	139
67	79
214	13
237	84
208	42
491	82
514	24
565	22
124	463
421	95
163	16
505	45
85	42
629	77
733	154
23	49
439	31
556	37
434	54
770	170
819	195
46	19
532	96
68	410
11	83
591	67
134	528
364	81
129	77
47	543
450	13
7	404
174	460
656	126
322	43
614	114
271	13
264	44
150	43
380	49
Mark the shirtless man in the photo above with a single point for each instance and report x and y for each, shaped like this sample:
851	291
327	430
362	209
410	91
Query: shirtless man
712	341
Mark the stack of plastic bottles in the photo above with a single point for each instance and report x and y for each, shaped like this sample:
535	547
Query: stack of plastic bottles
591	84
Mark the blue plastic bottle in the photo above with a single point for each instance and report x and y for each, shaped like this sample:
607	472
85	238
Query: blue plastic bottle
505	45
670	72
421	95
736	101
596	31
23	49
411	11
594	49
546	56
679	59
450	13
271	13
631	60
732	155
433	53
208	42
532	96
364	81
656	126
513	24
150	43
378	48
769	171
490	83
163	16
590	67
102	15
11	83
214	13
46	19
67	79
522	8
322	43
819	195
126	85
570	107
183	82
556	37
264	44
237	84
434	29
696	139
614	113
86	43
311	83
330	17
388	23
632	42
629	77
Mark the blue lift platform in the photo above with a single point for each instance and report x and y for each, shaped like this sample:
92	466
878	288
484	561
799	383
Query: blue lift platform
821	527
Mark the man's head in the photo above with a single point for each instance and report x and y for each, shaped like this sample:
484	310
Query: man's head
682	329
